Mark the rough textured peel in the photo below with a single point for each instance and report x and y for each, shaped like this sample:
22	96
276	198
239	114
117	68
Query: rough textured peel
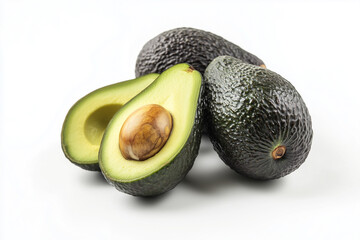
250	112
187	45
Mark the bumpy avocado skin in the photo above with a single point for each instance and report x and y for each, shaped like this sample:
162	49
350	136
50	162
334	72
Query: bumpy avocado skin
90	167
187	45
251	110
171	174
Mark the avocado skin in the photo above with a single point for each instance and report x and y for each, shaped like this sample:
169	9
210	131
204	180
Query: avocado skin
187	45
171	174
251	110
90	167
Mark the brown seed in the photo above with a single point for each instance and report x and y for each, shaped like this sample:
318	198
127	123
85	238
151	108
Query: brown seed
145	132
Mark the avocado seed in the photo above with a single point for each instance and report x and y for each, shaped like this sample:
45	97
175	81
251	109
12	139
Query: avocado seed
145	132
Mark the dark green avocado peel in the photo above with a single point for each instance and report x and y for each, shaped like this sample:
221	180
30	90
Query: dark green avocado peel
257	121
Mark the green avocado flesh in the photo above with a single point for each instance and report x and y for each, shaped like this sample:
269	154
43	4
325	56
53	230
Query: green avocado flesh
87	119
178	91
257	121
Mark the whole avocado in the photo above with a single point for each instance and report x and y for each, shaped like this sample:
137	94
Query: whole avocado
187	45
258	123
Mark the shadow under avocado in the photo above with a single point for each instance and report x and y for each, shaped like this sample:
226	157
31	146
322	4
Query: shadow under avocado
226	179
211	175
204	178
95	179
205	146
152	200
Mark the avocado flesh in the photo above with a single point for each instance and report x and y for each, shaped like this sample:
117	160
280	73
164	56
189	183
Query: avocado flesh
178	91
252	111
187	45
87	119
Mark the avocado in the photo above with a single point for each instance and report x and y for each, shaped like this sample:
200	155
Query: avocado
187	45
152	141
87	119
258	123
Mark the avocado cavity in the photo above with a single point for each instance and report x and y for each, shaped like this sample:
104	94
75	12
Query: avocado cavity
86	121
97	121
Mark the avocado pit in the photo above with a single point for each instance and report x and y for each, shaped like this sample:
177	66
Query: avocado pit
145	132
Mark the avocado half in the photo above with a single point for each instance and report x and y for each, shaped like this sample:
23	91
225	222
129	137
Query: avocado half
87	119
178	90
187	45
257	121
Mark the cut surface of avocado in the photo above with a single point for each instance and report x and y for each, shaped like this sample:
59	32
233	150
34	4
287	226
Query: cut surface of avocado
177	90
88	118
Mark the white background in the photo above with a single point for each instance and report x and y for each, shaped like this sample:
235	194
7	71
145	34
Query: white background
55	52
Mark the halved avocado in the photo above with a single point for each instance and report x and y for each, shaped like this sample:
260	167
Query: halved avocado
87	119
175	93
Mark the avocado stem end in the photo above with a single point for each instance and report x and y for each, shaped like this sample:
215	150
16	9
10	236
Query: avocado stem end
278	152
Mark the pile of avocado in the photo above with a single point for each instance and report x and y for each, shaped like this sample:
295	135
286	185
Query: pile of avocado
144	134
